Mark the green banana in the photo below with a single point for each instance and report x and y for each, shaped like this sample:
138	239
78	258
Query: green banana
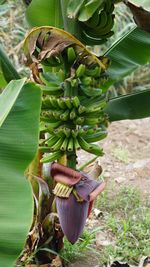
107	35
80	70
82	131
79	120
102	20
76	144
64	144
61	75
92	121
71	55
57	145
61	103
75	101
70	146
94	72
52	140
57	114
44	149
96	114
51	157
47	113
52	125
90	131
74	133
68	102
95	137
108	6
53	102
102	31
65	115
86	80
59	132
67	132
90	91
46	104
91	148
81	109
46	119
83	144
96	150
94	20
67	88
73	114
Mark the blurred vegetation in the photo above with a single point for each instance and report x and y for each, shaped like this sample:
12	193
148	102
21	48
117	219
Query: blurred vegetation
12	32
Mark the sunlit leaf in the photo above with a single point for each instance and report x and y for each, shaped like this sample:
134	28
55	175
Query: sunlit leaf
127	54
134	106
18	145
8	98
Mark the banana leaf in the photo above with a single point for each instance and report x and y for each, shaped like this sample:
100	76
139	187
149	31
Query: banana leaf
3	82
9	96
127	54
131	106
7	70
45	12
18	145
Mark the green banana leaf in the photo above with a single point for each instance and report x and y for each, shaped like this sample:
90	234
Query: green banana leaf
3	82
9	96
18	145
127	54
133	106
45	12
7	70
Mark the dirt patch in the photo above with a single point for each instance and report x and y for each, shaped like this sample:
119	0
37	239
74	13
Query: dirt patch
127	154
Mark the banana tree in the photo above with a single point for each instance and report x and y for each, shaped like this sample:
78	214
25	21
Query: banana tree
75	112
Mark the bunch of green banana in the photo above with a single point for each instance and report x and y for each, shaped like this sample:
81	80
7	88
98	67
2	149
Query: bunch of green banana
95	18
73	101
67	140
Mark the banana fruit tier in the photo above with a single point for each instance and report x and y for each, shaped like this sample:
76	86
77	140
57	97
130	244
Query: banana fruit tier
94	19
71	79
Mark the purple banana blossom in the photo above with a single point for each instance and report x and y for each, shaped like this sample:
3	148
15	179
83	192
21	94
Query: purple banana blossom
72	216
72	211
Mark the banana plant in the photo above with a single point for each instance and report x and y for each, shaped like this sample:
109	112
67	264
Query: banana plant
69	89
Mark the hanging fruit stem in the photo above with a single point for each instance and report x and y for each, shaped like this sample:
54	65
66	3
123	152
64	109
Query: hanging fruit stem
72	160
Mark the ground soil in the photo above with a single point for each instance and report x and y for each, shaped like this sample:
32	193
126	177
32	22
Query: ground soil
126	161
127	154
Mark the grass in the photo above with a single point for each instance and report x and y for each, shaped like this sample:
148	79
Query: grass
127	217
121	154
85	244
